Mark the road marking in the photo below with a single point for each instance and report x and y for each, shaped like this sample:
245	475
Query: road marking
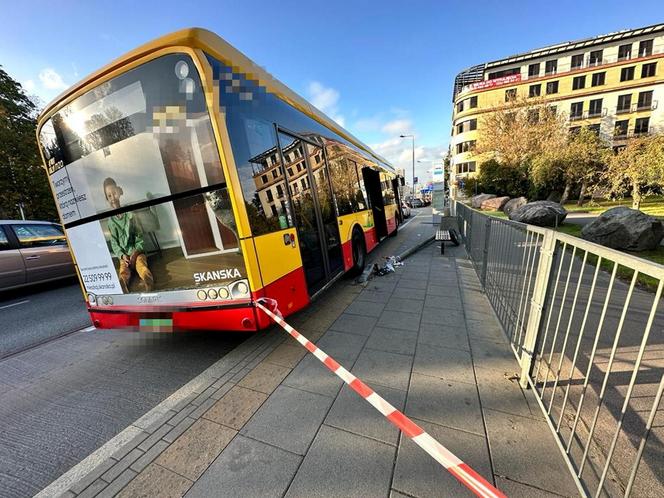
14	304
453	464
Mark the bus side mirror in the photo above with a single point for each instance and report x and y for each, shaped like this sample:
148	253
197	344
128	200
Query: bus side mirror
402	181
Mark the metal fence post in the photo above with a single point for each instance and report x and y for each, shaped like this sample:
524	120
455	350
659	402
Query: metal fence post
547	250
485	254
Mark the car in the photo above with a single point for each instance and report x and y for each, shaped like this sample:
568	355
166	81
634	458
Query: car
32	252
405	210
417	203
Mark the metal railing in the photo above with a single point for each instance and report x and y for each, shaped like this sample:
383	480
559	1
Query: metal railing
586	325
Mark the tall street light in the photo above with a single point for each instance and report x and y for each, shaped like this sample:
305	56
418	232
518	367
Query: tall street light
412	137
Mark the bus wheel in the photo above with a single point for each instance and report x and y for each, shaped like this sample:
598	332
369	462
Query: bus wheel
359	252
396	229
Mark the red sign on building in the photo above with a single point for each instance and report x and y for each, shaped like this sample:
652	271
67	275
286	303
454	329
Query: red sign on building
505	80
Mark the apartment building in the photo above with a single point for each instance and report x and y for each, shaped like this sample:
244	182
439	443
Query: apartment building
612	84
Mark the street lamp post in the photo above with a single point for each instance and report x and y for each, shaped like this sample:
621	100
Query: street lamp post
412	137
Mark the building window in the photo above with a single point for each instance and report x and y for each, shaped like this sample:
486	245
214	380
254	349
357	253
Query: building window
264	179
578	82
595	108
627	73
533	70
577	61
510	94
624	103
641	126
303	182
551	67
552	110
468	167
460	106
552	87
274	210
594	128
621	128
280	191
270	197
505	72
576	110
648	70
645	48
275	173
469	125
574	130
598	79
595	57
625	52
467	146
290	171
645	100
473	102
535	90
533	116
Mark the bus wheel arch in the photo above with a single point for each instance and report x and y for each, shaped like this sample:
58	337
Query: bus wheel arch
359	250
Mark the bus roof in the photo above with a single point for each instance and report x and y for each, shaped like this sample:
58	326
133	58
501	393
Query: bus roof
216	46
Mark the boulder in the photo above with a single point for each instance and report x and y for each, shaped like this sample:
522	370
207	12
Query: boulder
626	229
514	204
494	204
477	200
540	213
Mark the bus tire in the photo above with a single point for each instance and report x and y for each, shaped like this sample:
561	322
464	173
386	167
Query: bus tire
396	228
359	249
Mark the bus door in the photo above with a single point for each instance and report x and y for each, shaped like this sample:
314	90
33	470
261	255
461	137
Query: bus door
396	182
375	193
314	209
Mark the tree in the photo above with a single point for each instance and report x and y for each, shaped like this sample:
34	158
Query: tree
580	159
520	130
639	167
23	182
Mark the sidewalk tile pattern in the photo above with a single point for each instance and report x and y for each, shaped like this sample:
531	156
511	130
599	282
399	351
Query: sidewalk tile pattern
272	421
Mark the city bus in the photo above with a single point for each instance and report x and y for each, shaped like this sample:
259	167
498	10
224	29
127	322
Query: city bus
191	183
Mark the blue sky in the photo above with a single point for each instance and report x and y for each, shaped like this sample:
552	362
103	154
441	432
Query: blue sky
381	68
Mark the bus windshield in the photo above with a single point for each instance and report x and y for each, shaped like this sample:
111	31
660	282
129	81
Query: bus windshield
140	188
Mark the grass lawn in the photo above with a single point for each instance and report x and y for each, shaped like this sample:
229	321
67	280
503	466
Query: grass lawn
654	206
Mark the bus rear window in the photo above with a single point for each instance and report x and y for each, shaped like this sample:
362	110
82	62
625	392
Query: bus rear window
147	130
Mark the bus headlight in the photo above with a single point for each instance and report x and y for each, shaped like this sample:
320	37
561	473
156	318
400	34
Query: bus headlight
223	293
212	293
92	299
202	295
240	289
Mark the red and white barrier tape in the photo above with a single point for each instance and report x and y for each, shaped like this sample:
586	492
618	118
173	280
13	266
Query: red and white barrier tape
462	471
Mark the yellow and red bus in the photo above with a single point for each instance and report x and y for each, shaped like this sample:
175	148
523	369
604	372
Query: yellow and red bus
191	183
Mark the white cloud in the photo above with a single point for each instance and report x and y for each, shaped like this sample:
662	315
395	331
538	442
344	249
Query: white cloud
51	80
326	100
398	126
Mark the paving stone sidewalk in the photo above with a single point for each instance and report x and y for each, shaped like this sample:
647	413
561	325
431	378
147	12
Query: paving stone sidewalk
272	421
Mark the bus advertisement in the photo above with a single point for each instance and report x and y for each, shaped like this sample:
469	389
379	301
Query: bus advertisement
191	183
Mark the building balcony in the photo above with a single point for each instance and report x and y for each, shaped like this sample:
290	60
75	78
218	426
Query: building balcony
589	115
636	107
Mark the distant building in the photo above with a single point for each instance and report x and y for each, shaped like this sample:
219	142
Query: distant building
613	84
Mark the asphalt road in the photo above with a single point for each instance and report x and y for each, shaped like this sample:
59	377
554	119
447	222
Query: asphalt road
62	397
36	314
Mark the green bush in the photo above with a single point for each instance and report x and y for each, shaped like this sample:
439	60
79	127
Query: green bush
499	179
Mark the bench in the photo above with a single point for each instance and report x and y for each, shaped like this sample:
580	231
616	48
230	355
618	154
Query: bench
446	236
